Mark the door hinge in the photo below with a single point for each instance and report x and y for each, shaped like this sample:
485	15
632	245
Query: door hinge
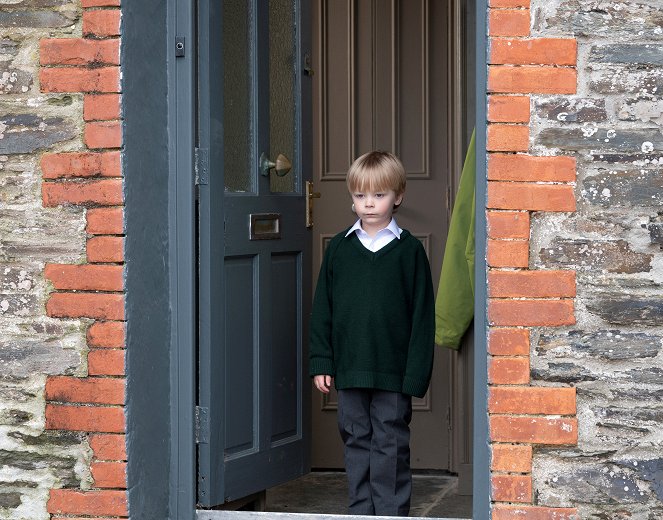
202	425
179	46
202	166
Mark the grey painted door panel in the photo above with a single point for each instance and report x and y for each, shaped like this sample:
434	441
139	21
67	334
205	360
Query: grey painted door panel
254	287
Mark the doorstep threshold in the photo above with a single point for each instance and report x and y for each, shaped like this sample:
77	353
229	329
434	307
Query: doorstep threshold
253	515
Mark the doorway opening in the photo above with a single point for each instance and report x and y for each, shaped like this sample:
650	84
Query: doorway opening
398	76
386	74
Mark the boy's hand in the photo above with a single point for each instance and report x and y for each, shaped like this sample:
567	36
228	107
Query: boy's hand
323	383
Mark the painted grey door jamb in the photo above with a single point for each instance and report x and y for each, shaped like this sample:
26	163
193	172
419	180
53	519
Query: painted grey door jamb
182	254
481	479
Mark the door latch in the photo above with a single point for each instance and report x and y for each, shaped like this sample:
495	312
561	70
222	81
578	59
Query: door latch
310	195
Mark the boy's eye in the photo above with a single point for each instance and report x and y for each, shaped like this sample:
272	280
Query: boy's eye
379	195
359	195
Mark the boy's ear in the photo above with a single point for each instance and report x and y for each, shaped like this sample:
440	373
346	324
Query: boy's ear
398	201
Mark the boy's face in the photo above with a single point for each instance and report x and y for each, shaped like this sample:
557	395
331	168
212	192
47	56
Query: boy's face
374	208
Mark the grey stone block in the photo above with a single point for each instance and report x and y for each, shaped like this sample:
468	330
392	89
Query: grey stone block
594	486
16	394
616	20
640	416
14	417
644	110
19	279
586	479
634	188
574	372
10	499
41	3
18	305
562	372
655	228
63	467
18	187
591	137
55	235
644	376
14	81
619	79
638	394
45	19
8	47
628	309
613	256
27	356
628	53
612	345
18	484
25	133
574	110
642	160
650	471
49	439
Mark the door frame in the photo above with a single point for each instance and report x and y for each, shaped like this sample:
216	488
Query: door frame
160	261
481	438
157	163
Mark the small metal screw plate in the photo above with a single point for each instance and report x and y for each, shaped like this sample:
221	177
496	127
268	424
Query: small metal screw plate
179	46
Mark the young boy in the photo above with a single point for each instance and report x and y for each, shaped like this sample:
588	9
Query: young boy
372	335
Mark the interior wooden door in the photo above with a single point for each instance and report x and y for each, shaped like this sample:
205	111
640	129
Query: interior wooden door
382	83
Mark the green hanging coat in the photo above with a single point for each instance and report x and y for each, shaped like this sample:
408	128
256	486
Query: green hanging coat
454	305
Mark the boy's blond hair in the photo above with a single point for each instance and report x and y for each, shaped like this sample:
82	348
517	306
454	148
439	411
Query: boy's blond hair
377	171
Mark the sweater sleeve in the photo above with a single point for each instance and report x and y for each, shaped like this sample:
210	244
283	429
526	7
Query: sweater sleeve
321	354
422	337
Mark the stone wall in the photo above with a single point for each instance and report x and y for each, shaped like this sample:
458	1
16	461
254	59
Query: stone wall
33	345
575	155
612	355
54	224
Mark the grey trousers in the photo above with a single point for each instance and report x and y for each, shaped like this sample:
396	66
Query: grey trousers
374	426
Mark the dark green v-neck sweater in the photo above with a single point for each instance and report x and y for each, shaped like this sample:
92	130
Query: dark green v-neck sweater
373	323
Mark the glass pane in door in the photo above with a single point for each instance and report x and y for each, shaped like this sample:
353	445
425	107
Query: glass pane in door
282	91
238	155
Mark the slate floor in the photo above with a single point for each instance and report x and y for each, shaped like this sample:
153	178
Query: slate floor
433	496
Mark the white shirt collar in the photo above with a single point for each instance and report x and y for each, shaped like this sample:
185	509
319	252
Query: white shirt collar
392	227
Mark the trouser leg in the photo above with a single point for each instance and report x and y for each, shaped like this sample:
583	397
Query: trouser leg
391	478
354	424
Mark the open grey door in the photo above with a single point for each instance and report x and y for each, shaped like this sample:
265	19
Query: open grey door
254	246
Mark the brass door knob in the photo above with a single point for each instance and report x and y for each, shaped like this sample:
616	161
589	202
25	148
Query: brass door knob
281	166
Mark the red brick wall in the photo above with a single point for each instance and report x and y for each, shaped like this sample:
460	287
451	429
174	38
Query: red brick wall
91	178
523	417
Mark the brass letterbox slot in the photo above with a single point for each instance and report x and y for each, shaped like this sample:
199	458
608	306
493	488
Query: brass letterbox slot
264	226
